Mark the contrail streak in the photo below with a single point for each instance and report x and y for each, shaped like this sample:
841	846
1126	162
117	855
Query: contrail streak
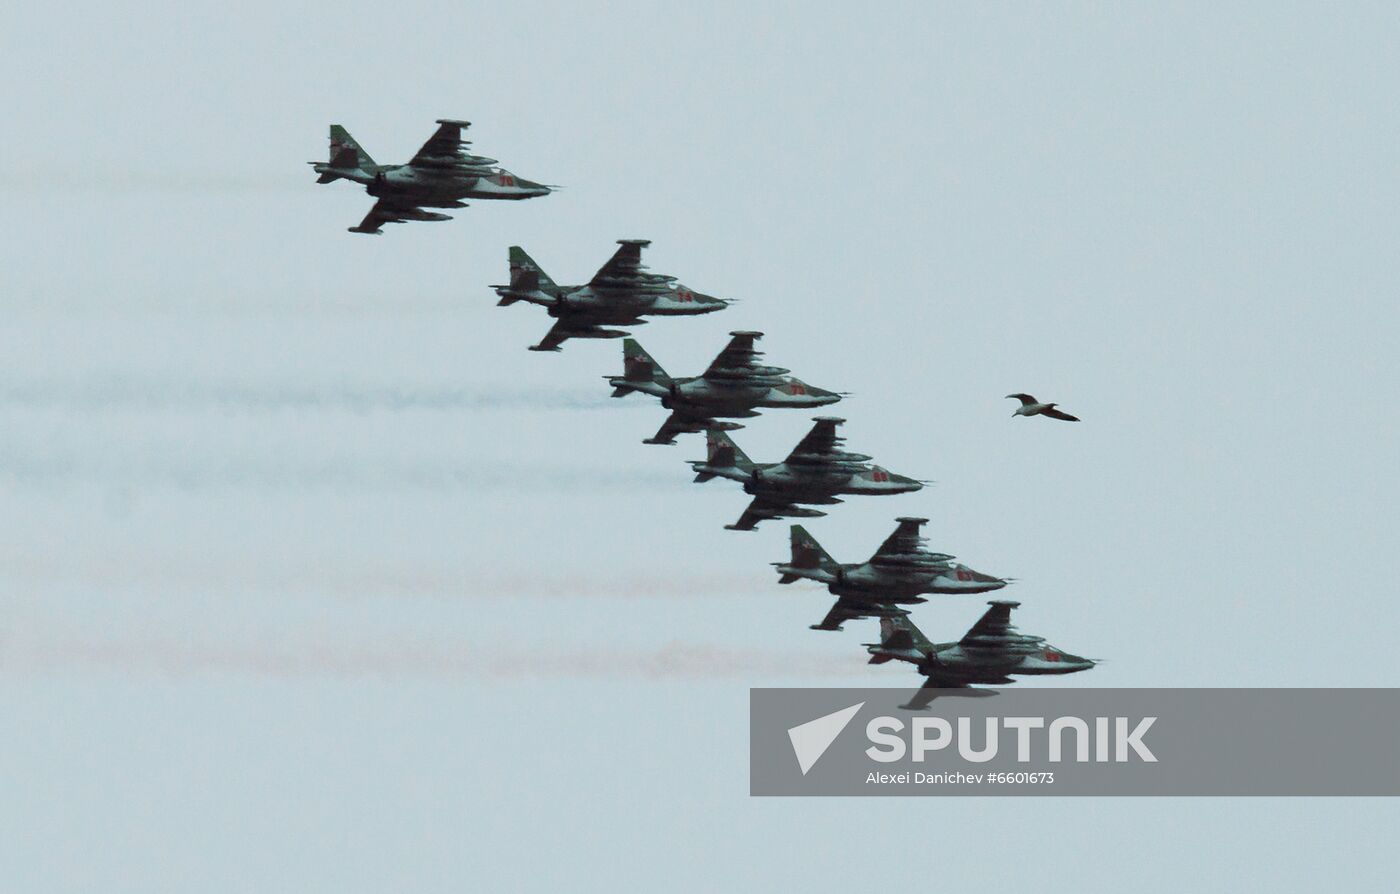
23	571
125	391
117	181
359	473
408	658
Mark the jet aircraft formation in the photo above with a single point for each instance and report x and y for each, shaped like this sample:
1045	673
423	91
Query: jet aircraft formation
736	385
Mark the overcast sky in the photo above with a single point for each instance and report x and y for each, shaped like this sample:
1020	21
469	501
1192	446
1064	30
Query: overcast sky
313	578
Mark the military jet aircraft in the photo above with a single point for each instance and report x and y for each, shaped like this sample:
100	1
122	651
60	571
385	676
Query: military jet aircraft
816	472
439	176
900	573
618	295
733	387
989	653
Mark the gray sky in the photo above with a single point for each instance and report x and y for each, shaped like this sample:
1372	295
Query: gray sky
312	578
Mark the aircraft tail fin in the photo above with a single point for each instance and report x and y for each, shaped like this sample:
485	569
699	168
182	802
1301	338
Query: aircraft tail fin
722	452
344	160
899	640
521	263
527	282
808	555
638	366
341	141
898	633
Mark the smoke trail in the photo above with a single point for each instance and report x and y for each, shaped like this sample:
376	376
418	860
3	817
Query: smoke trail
408	658
23	570
158	393
116	180
361	473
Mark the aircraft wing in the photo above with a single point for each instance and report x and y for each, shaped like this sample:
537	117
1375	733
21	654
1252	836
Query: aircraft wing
443	147
675	424
556	336
930	691
737	357
390	211
565	329
819	445
835	617
622	269
993	628
445	142
904	542
758	510
843	610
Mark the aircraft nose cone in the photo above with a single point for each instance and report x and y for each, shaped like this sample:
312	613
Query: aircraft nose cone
531	188
1077	662
982	580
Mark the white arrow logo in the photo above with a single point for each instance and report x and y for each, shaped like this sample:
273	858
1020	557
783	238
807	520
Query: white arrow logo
810	740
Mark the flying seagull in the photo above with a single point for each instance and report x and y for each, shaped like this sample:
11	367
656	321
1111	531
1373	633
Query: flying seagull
1032	407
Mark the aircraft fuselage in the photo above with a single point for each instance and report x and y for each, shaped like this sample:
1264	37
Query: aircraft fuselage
874	583
623	307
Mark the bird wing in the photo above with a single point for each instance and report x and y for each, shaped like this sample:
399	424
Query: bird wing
1058	414
1025	399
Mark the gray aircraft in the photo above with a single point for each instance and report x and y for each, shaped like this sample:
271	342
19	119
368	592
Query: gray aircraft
439	176
991	652
816	472
620	294
901	572
734	386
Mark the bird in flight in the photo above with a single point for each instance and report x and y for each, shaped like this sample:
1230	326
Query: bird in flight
1032	407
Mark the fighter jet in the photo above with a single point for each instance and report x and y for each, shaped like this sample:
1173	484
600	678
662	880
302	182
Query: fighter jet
733	387
618	295
816	472
989	653
439	176
900	573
